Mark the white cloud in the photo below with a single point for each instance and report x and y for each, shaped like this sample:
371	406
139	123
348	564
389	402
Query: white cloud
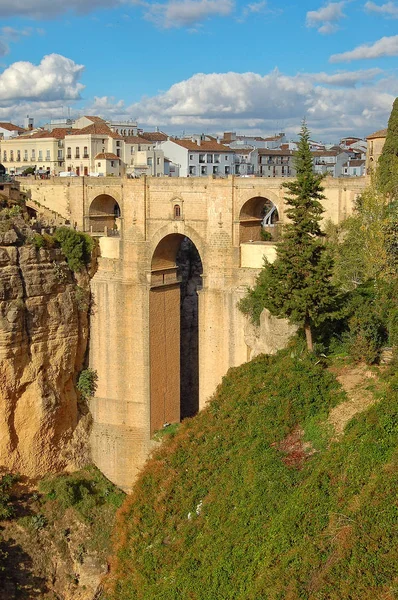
390	9
347	102
325	19
386	46
55	78
182	13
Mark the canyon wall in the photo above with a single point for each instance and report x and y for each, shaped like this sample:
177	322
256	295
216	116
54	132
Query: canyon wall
43	339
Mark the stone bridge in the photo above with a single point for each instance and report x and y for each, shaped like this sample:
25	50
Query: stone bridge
149	329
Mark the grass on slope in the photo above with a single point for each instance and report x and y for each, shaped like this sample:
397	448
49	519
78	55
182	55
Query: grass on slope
223	512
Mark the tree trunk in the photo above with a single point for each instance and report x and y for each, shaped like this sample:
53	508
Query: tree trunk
308	336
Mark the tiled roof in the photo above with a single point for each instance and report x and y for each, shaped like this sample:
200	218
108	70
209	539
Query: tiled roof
106	156
204	146
11	127
377	134
356	162
58	133
136	139
155	136
96	129
327	152
95	119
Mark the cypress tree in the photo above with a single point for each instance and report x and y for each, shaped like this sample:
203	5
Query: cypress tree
387	168
298	284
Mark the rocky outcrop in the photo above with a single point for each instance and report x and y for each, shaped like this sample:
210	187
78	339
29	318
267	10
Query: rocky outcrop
43	339
272	334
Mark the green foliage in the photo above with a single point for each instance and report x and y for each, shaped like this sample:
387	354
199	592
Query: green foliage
76	246
87	383
38	241
7	482
265	235
298	284
86	492
387	168
29	171
221	511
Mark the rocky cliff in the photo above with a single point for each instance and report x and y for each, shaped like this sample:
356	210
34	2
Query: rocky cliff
43	338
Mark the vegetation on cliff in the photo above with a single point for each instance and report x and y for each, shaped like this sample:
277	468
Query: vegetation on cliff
298	284
54	542
256	498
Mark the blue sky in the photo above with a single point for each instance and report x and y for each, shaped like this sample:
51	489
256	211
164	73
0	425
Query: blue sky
203	65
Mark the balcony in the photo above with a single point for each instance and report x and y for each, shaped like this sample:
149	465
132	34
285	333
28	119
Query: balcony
86	156
69	156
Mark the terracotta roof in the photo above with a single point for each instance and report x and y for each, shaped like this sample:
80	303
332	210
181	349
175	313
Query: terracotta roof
377	134
95	119
356	162
155	136
96	129
204	146
326	152
58	133
136	139
11	127
243	150
106	156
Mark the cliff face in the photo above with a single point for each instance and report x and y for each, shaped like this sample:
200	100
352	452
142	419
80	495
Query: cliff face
43	338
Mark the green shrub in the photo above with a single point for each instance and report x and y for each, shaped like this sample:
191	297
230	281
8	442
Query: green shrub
265	235
38	241
6	484
76	246
87	383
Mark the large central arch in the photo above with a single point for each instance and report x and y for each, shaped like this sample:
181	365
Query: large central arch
176	269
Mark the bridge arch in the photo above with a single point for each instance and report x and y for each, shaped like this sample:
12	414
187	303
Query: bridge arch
104	214
257	215
176	270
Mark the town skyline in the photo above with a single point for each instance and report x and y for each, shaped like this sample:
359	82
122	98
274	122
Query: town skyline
201	65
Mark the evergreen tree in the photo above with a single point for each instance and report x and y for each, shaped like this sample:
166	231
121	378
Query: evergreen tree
298	284
387	168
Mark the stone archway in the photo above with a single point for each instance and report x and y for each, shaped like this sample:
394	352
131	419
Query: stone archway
176	270
257	215
104	214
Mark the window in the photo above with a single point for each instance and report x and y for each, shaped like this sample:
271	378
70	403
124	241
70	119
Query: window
177	211
112	163
25	156
203	171
69	152
209	158
216	158
227	171
5	155
98	164
149	161
47	154
85	152
117	144
201	158
40	155
191	157
118	152
18	155
226	157
11	155
215	170
77	153
158	161
33	155
59	154
132	149
192	170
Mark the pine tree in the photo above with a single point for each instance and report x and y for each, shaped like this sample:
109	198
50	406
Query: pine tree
387	168
298	284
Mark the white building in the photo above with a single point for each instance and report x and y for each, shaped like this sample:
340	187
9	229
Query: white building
9	130
330	162
354	168
198	158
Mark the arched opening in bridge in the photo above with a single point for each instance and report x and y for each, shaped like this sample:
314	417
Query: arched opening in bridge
104	215
258	220
176	272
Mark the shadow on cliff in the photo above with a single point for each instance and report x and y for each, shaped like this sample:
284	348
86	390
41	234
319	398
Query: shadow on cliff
16	578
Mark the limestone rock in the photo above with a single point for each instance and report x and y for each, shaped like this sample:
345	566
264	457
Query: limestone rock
272	335
43	337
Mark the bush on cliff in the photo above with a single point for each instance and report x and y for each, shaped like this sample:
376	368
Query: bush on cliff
253	500
76	246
